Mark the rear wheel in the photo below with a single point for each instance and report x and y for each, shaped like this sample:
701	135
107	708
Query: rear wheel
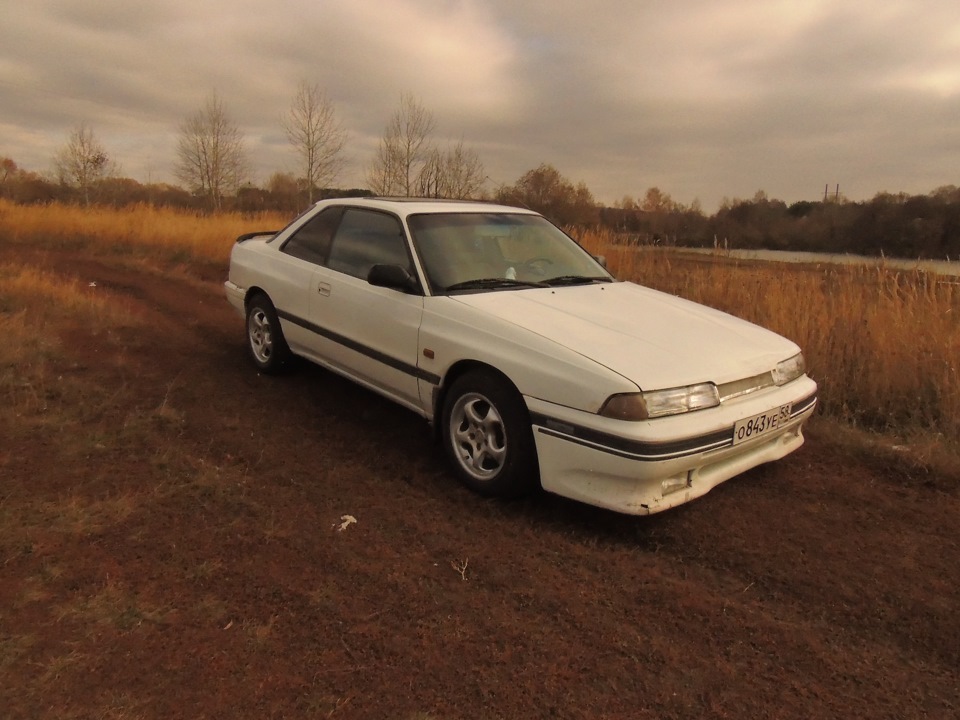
487	436
268	349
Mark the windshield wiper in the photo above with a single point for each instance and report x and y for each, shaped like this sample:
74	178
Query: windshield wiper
485	283
574	280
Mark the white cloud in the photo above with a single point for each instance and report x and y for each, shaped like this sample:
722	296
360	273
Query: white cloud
700	98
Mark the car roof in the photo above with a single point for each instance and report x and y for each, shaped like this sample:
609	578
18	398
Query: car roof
405	206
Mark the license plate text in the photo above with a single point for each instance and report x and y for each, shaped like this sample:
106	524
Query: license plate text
761	424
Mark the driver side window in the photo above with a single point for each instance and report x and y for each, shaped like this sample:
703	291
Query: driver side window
366	238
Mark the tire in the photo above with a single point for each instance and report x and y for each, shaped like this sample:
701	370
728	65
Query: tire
267	348
487	436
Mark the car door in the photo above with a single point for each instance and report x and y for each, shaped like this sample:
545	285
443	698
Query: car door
292	278
366	332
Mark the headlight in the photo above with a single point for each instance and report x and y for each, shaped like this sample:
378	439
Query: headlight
657	403
789	370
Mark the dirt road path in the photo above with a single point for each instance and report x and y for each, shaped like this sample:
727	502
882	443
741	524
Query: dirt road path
178	554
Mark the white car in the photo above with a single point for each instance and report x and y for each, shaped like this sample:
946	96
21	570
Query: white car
535	365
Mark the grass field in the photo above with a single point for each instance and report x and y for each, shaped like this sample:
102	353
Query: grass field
883	344
137	230
169	518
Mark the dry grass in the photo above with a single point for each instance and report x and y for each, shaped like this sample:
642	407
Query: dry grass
883	344
49	296
141	229
33	304
100	476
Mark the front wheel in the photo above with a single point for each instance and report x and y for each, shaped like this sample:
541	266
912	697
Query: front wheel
487	436
265	341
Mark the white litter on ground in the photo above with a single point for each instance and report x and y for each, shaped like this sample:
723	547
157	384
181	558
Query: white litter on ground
346	521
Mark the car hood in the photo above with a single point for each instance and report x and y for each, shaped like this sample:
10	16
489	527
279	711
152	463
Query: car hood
656	340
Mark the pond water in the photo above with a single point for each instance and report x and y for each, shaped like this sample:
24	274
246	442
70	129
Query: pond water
942	267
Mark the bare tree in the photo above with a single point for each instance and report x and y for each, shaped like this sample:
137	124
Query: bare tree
316	135
431	180
457	173
82	162
404	150
211	158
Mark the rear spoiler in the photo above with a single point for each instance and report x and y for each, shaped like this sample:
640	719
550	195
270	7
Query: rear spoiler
247	236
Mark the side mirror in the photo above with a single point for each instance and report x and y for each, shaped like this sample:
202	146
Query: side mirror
394	277
602	260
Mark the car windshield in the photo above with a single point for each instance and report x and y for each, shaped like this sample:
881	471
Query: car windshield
480	252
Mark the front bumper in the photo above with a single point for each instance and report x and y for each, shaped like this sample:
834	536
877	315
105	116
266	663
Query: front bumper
647	467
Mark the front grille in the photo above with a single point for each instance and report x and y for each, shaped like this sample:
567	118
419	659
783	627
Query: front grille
746	386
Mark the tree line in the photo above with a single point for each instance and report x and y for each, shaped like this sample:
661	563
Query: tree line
893	224
212	168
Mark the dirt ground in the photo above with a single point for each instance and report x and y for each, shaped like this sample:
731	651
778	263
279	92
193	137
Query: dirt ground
178	554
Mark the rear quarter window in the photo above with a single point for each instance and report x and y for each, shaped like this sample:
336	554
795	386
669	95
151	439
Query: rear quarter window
312	241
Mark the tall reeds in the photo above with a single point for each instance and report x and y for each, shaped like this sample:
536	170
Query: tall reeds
883	344
140	229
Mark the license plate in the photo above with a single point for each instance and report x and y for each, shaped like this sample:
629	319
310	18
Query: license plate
761	424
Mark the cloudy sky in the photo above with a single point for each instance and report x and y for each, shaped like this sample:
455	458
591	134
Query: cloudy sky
704	99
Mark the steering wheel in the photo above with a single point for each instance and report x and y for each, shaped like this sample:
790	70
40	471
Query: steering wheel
537	265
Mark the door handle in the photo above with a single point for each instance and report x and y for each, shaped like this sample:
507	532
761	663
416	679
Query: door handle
324	289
